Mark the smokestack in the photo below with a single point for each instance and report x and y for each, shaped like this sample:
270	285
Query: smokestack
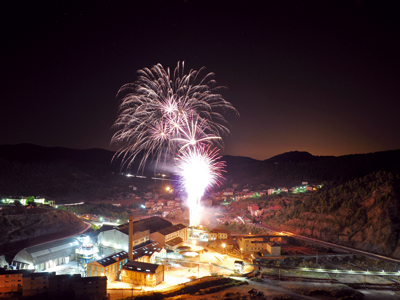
130	251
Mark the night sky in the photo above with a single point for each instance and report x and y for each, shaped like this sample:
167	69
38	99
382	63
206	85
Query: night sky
316	76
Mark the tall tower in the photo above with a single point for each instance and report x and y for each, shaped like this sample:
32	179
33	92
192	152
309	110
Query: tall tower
130	249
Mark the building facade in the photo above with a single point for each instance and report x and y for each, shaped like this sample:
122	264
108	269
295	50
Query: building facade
26	283
10	282
119	239
219	234
144	274
35	283
259	243
171	237
109	266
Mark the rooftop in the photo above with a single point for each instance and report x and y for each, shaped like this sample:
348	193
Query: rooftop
113	258
52	250
140	267
172	229
153	224
219	230
174	242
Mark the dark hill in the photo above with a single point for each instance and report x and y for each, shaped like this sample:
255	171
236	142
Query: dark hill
293	167
64	173
28	153
294	156
234	162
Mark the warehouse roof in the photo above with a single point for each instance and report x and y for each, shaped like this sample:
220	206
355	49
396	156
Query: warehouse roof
138	252
147	250
113	258
153	224
50	251
172	229
174	242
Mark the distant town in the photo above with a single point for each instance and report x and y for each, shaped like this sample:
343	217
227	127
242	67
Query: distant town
149	247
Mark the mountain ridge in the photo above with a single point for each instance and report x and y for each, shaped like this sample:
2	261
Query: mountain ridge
57	171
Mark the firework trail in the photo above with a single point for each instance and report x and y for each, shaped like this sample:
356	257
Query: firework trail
199	168
162	114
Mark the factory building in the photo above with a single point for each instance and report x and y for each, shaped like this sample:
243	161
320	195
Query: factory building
111	265
264	244
219	234
87	252
140	273
171	237
46	255
144	241
118	237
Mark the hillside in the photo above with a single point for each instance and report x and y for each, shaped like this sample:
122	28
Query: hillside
363	213
21	227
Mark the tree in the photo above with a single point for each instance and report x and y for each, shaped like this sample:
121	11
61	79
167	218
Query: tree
17	203
30	200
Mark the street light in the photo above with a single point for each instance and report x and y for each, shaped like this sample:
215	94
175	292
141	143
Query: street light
223	246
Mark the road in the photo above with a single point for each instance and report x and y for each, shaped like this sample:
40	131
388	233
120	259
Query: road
323	243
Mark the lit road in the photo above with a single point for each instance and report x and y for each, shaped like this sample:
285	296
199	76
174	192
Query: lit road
323	243
87	227
330	271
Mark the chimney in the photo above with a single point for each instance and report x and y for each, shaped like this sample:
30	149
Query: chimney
130	251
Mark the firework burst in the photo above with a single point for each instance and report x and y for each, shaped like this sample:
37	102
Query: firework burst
156	108
162	114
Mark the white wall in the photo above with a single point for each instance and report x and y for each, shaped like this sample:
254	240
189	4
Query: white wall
113	238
